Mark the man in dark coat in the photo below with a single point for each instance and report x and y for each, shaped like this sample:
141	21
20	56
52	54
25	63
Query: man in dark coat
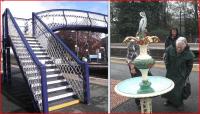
179	63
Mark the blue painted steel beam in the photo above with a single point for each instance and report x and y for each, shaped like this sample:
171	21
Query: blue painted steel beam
46	11
34	58
8	68
86	84
5	34
81	28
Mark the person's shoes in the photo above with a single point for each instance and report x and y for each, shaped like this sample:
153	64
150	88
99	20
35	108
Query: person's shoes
167	103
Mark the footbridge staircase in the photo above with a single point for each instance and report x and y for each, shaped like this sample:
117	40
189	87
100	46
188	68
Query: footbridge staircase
56	77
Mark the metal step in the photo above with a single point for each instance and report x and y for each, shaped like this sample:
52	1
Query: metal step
56	81
31	39
34	45
21	48
25	57
70	94
17	42
50	70
48	83
33	77
15	38
37	43
33	42
58	88
53	75
45	57
26	61
50	99
28	57
34	49
52	85
34	66
61	88
33	73
48	65
27	36
39	52
20	45
42	56
43	61
55	78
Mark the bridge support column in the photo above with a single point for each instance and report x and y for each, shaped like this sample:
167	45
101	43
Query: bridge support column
8	68
4	43
4	78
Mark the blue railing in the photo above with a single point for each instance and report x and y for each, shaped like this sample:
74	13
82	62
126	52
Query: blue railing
42	69
58	50
74	19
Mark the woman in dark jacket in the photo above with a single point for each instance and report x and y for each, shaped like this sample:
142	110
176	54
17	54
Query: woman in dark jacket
179	63
171	39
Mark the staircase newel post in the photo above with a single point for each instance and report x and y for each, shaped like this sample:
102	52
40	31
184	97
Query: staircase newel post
44	89
5	34
7	66
86	84
8	60
33	25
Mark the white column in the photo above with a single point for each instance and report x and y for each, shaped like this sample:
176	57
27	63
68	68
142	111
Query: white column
146	105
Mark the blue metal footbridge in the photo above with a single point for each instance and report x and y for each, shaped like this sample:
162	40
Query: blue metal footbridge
56	77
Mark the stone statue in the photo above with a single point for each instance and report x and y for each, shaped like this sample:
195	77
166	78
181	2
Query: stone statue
142	25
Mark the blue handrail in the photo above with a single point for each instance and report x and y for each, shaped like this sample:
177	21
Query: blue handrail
70	10
84	64
90	26
37	62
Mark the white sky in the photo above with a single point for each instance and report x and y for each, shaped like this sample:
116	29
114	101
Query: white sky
24	9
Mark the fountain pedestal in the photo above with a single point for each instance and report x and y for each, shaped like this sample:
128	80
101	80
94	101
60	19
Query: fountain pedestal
143	62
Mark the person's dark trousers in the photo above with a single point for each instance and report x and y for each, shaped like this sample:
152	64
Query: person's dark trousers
138	73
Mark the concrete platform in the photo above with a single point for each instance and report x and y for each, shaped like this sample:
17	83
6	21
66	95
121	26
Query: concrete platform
16	97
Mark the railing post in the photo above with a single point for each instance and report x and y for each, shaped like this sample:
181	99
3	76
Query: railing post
8	60
44	89
7	65
5	34
33	25
89	19
4	60
86	84
106	21
64	17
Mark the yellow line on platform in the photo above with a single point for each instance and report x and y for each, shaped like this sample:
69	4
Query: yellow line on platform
56	107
